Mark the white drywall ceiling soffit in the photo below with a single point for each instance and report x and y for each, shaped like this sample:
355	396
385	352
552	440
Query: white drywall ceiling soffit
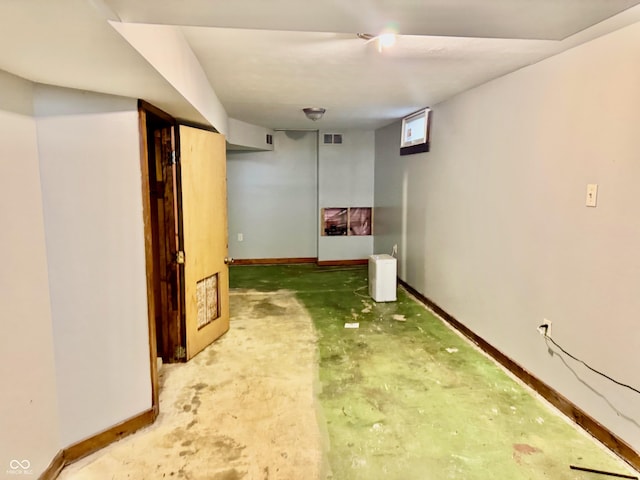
539	19
264	67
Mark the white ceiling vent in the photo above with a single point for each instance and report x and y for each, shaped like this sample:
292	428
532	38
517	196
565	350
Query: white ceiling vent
332	138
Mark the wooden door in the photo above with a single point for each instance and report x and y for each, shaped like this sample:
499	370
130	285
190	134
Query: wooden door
204	232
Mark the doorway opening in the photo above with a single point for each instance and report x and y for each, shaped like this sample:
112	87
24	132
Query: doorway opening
165	270
186	247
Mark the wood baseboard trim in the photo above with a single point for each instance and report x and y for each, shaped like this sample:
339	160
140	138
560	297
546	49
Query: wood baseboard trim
273	261
100	440
342	263
287	261
568	408
54	468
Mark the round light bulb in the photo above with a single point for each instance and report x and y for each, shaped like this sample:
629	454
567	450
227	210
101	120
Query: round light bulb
386	40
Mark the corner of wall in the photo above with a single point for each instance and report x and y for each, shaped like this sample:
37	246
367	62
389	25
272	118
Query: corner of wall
29	436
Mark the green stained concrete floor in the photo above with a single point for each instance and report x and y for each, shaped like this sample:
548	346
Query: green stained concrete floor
405	397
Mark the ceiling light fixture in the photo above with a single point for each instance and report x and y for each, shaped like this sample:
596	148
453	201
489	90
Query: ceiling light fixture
384	40
314	113
366	36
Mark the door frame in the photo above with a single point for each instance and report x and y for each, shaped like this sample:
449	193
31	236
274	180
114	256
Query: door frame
146	110
154	303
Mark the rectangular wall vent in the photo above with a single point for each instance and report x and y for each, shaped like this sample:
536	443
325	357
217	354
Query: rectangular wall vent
332	138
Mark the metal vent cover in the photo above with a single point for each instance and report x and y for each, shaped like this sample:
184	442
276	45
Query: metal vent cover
332	138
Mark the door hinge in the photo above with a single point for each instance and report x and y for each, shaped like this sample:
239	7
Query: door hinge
173	159
180	257
180	352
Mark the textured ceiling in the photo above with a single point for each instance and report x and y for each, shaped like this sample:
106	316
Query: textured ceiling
267	60
536	19
271	75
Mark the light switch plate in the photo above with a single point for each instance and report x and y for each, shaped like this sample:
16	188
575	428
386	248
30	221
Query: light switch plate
592	195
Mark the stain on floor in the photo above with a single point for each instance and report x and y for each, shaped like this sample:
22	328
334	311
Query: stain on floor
405	397
289	393
267	308
244	408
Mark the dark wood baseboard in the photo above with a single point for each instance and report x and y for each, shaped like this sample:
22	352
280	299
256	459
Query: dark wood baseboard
339	263
96	442
287	261
588	423
100	440
273	261
54	468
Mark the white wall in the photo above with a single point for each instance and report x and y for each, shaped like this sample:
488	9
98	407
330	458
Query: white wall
272	199
345	179
492	224
90	167
28	408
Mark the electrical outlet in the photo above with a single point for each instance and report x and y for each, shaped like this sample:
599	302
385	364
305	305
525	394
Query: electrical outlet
544	328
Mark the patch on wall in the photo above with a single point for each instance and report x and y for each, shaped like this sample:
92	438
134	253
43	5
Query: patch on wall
207	298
